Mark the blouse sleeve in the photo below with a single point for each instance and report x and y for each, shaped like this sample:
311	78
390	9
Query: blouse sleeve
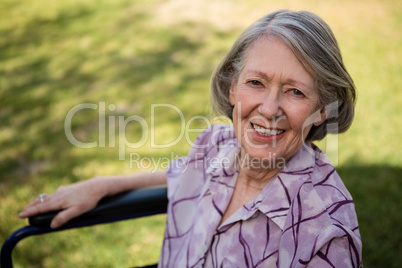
338	252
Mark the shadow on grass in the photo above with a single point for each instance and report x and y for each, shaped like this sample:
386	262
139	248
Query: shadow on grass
31	90
376	190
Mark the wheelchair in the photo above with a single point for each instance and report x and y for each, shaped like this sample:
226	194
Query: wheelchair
128	205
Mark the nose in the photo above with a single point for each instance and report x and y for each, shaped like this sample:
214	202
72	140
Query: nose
271	105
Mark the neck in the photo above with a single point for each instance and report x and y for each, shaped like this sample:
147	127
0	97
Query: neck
256	179
255	176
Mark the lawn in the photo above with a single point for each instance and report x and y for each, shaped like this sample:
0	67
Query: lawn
146	65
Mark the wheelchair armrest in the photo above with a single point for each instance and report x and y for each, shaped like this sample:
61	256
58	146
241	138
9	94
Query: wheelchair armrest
127	205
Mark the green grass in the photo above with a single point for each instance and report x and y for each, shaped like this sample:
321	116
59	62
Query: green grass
55	55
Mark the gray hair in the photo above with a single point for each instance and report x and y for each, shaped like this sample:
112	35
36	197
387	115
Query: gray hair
314	45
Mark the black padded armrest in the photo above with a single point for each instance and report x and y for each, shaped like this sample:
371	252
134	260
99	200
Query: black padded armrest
132	204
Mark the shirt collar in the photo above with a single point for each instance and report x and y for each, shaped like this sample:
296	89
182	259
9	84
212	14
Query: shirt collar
276	197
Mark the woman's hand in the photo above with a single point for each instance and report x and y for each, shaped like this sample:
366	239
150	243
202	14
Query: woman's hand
78	198
73	200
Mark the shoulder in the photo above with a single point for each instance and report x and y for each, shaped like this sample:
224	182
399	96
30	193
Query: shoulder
339	239
213	139
330	188
324	213
329	192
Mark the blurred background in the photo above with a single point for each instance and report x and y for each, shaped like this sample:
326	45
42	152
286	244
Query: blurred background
123	56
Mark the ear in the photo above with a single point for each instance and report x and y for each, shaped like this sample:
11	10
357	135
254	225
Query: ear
322	117
232	97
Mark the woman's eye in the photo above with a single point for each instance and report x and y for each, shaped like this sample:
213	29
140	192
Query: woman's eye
296	92
255	82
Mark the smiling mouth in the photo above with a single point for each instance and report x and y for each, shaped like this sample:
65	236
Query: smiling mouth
268	132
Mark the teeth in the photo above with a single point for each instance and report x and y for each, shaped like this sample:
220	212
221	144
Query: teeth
266	131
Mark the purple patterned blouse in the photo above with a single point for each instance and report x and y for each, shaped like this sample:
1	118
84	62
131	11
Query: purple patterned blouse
304	217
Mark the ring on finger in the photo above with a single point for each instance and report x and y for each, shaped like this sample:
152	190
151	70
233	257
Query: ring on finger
42	198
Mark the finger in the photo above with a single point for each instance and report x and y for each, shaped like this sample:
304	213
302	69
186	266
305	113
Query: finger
34	202
28	211
39	208
66	215
37	201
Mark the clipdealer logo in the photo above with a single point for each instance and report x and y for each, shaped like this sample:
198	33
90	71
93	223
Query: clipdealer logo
148	130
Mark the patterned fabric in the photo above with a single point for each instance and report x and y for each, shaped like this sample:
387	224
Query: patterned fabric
304	217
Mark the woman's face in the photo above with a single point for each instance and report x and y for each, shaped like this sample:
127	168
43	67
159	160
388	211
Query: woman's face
274	99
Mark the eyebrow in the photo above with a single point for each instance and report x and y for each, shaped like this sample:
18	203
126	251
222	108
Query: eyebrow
287	81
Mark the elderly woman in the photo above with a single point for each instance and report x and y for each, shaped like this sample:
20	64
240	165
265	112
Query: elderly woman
258	193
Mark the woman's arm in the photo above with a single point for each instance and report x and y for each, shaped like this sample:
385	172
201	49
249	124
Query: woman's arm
78	198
